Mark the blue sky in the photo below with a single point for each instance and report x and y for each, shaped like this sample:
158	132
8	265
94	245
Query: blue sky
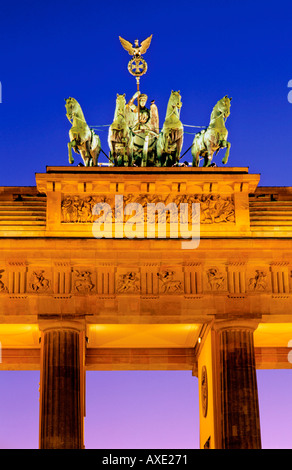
53	50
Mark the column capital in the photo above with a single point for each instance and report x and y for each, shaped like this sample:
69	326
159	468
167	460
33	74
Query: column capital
53	322
240	324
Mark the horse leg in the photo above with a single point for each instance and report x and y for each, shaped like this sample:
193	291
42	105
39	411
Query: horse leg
125	152
70	145
209	154
196	158
178	150
111	158
88	158
113	154
95	154
84	158
225	159
95	151
94	157
132	151
145	151
128	155
208	158
159	151
166	141
195	153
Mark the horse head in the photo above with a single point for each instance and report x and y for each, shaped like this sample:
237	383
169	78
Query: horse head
120	105
173	108
224	106
121	100
73	109
175	99
70	105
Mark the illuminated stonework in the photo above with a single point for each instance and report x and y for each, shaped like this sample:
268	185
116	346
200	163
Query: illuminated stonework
143	303
214	208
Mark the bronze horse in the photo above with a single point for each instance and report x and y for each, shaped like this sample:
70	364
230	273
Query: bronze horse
118	136
170	140
83	140
211	140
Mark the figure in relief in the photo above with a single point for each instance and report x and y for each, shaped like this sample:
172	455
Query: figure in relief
215	279
259	281
83	282
128	282
168	284
38	281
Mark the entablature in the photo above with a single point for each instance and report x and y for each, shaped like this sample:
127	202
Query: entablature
230	200
110	283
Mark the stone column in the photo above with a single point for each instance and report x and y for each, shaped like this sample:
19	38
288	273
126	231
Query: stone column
240	425
62	385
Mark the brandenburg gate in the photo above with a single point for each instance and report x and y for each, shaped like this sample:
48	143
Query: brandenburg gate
70	302
74	298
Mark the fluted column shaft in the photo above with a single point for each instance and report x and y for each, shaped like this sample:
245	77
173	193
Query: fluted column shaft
61	388
240	424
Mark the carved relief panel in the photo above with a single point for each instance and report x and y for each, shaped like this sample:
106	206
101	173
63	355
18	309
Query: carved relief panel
258	280
214	208
83	281
128	281
39	281
79	209
215	279
170	281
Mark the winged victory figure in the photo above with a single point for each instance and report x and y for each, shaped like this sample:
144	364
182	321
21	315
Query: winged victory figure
136	50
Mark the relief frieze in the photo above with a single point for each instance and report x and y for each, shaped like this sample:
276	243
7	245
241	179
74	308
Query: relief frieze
109	280
78	209
214	208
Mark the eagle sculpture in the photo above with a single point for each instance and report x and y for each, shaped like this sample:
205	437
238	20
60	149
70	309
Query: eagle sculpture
136	50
